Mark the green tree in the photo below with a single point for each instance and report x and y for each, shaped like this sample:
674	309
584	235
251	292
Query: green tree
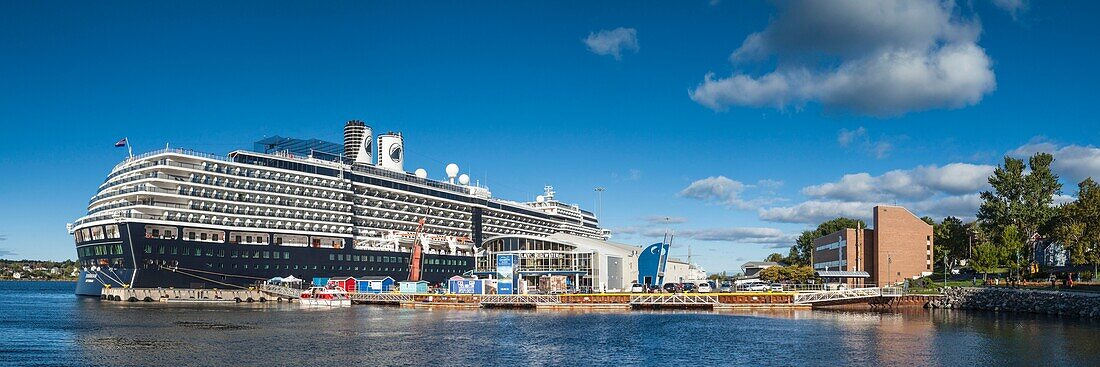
986	258
1020	199
775	257
1012	248
794	274
802	252
952	235
1078	225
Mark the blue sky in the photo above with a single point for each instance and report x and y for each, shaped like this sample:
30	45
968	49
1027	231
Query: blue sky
797	121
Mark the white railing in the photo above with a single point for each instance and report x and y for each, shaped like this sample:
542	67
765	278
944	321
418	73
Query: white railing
509	299
281	290
838	295
673	299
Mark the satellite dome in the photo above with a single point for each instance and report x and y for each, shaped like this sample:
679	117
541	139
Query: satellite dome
540	198
422	173
452	170
464	179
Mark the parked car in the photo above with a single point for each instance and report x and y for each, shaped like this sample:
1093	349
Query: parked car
673	288
653	288
725	288
775	287
704	288
636	288
755	287
688	287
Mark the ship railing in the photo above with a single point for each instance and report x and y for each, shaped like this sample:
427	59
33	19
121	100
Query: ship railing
182	151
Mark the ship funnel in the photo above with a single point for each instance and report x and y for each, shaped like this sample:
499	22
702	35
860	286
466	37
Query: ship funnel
391	151
358	142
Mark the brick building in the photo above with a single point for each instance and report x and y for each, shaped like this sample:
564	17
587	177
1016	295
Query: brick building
898	247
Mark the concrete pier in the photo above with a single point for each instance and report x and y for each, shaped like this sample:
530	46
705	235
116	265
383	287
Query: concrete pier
187	295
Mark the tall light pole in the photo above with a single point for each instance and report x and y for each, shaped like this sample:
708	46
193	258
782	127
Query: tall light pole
599	201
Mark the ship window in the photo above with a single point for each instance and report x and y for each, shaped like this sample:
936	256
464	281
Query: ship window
244	254
275	255
156	232
191	236
215	237
286	255
267	254
202	236
186	251
148	249
160	250
278	240
169	234
234	254
256	255
112	231
340	257
331	257
237	239
198	252
248	239
175	251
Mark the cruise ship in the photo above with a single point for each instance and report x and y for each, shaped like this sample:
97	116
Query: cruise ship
185	219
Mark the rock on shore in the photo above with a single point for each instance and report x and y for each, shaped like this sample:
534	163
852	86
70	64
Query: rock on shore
1019	300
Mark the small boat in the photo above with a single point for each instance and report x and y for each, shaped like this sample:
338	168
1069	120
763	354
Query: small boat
325	297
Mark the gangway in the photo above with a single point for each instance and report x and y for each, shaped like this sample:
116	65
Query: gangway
838	296
279	290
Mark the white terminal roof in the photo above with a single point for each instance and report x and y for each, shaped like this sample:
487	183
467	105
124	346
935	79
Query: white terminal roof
594	244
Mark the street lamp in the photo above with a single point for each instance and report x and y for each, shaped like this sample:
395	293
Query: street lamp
599	201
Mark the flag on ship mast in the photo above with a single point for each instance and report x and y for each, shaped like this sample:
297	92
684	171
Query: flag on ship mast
125	142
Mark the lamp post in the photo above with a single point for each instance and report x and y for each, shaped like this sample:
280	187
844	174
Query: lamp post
889	261
599	201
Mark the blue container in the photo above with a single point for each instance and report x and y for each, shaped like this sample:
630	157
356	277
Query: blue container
320	282
466	286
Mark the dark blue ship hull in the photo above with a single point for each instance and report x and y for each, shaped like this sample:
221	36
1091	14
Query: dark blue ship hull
140	262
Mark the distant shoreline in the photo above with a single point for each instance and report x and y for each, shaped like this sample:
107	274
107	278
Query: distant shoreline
38	280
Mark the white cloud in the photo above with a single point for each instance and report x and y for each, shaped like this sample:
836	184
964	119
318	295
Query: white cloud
725	191
1073	162
1015	8
846	137
964	207
936	191
743	235
882	58
815	211
612	42
918	183
878	148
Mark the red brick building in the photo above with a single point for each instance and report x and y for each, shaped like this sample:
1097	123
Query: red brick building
898	247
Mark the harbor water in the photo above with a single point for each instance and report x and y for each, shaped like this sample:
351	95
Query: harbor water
44	324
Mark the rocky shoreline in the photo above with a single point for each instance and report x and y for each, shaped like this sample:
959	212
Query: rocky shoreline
1048	302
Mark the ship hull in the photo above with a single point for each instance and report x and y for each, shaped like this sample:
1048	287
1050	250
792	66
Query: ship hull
140	262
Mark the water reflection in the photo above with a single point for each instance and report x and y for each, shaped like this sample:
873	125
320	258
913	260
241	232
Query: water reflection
59	329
